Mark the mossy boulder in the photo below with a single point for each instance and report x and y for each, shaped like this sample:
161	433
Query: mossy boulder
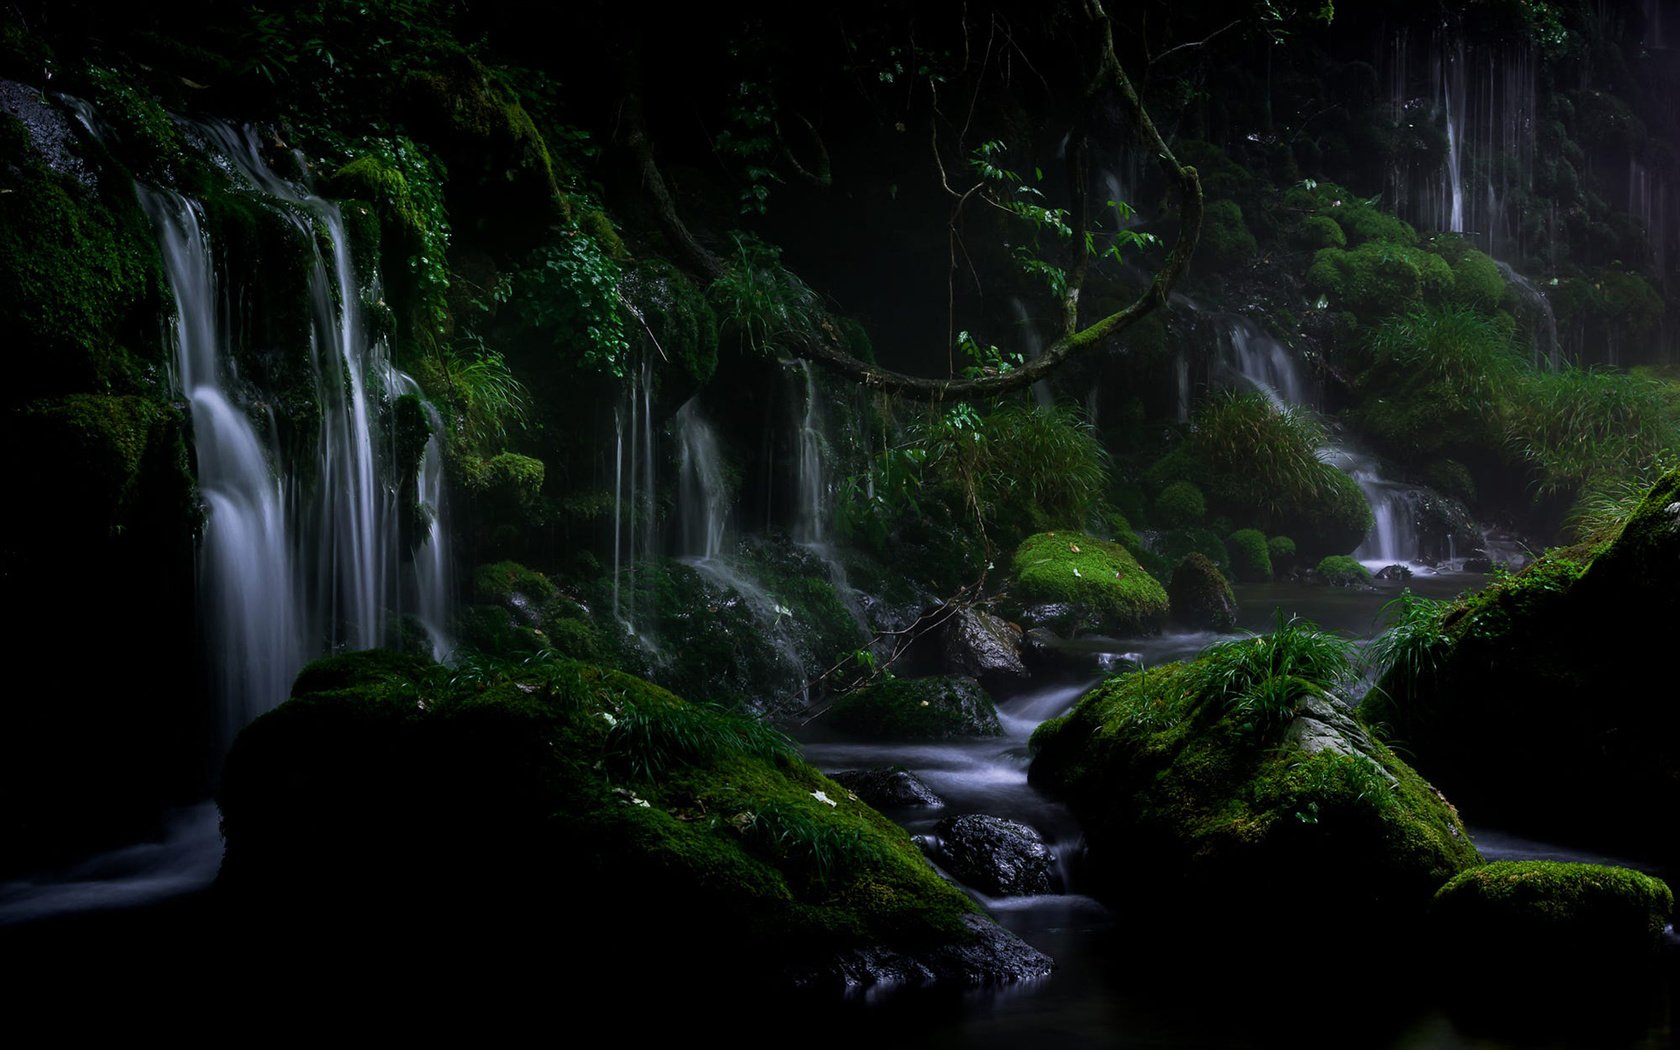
1180	506
1540	915
1532	701
513	798
939	708
1219	818
1077	583
1200	597
1251	558
1339	570
1379	278
1281	551
1225	241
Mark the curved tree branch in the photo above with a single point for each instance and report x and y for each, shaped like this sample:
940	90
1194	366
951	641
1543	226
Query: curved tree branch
827	348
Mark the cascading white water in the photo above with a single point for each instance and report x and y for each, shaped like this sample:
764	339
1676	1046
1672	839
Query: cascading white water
1546	349
250	590
1033	345
702	496
1263	362
810	522
1265	365
634	496
296	558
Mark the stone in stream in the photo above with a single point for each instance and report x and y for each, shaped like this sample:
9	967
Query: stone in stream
938	708
1199	595
1003	858
993	955
1394	572
983	646
888	788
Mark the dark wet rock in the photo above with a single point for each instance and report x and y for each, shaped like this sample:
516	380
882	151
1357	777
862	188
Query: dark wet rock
983	646
1003	858
994	956
1199	595
50	129
893	788
1394	572
1478	564
1545	700
937	708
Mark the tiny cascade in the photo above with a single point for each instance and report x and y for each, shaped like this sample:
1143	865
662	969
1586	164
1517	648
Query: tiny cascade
1033	345
702	496
1262	361
1546	349
634	509
816	495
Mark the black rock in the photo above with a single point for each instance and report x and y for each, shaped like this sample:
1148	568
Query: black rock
1394	572
892	788
983	646
1004	858
994	956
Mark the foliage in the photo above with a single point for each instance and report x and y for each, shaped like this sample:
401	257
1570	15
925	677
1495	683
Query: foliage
1339	570
570	286
1264	679
761	303
1180	505
650	737
1281	550
489	402
1462	359
404	183
750	141
1251	559
1407	655
1588	428
1225	240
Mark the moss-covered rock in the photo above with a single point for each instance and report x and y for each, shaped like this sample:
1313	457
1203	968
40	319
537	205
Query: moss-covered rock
1075	582
1532	701
1180	506
1251	558
1281	551
1339	570
940	708
510	798
1225	239
1540	915
1218	807
1379	278
1200	597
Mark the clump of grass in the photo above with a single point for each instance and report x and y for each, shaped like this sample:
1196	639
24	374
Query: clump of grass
646	737
1462	357
1266	678
1260	457
1592	431
1414	646
819	848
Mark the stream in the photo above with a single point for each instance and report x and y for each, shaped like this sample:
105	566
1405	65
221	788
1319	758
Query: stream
1107	991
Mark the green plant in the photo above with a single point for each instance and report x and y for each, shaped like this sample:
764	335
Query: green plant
1417	642
1251	559
763	304
1586	429
1180	505
647	737
1463	359
818	847
489	400
1343	571
1265	678
569	286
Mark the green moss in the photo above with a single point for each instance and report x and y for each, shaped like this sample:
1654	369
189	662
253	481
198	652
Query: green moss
501	581
1225	239
1180	505
1251	560
1281	551
1542	914
1379	278
510	481
1099	582
1318	231
1339	570
1206	542
80	280
679	317
1477	282
1200	596
915	709
521	790
1187	798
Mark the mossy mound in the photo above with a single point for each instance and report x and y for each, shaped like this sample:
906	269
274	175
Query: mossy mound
1543	914
1251	557
1339	570
1200	596
1205	803
1075	582
564	798
939	708
1536	702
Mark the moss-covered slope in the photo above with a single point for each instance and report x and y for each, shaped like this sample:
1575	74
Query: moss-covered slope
570	799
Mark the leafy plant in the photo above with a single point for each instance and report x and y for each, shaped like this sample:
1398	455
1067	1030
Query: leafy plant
1415	644
763	304
1265	678
570	286
821	848
490	400
646	739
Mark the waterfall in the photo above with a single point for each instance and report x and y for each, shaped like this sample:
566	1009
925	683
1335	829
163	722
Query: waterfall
1486	99
702	497
634	495
297	557
1261	362
1547	351
1033	344
810	523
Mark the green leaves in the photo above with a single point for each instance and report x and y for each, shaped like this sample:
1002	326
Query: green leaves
570	286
